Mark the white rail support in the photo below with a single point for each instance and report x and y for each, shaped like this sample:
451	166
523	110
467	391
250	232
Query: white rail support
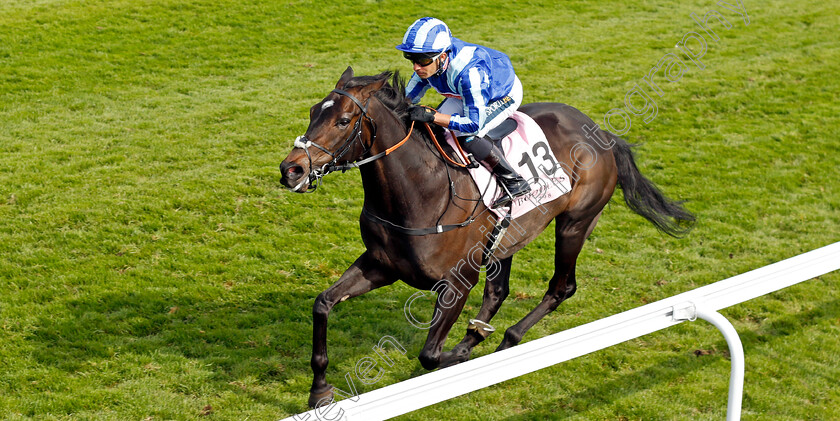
691	312
736	353
438	386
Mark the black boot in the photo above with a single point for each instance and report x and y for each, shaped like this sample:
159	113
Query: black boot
513	183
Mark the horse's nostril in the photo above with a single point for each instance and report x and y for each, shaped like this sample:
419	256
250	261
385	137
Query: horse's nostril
294	171
291	171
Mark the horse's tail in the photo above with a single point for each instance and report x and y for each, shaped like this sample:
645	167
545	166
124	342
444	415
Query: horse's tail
644	198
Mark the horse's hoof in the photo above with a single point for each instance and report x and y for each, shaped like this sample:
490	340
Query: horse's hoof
456	356
450	363
321	397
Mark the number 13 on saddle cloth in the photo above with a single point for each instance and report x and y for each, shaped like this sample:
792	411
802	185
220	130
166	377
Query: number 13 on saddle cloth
528	151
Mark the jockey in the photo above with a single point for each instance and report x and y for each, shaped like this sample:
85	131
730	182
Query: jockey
481	91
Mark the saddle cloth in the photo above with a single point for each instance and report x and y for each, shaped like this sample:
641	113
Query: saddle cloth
528	152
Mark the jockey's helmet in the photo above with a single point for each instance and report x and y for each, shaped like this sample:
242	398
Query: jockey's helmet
426	35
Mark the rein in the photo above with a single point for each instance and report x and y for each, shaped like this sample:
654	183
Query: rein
442	152
316	175
357	164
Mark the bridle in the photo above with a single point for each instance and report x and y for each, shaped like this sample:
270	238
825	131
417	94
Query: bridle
316	174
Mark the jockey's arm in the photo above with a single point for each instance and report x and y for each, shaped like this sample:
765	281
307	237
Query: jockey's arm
442	119
468	123
474	102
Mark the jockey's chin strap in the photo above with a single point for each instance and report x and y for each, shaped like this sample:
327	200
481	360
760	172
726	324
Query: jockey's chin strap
442	64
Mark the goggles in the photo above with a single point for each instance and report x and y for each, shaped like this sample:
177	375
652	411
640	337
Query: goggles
421	59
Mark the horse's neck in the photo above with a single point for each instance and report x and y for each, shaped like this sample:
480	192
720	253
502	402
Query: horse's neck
410	182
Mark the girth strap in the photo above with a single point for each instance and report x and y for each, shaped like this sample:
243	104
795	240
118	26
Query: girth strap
414	231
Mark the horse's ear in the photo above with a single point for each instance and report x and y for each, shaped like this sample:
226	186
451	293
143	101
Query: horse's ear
345	77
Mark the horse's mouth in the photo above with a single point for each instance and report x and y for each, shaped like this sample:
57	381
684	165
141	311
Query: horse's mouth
298	184
301	187
294	177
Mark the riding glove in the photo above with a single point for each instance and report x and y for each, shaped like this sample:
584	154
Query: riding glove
421	114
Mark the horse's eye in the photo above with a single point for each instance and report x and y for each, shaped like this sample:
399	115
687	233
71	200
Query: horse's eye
343	122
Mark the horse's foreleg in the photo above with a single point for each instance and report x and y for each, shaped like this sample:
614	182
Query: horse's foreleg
363	276
496	289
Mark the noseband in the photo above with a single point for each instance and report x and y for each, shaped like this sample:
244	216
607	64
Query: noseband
316	174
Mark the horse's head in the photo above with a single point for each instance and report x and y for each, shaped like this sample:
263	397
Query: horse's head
340	131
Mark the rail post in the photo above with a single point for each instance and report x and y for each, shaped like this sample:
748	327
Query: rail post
691	311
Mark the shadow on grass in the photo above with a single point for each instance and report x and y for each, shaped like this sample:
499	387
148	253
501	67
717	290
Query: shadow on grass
670	369
264	338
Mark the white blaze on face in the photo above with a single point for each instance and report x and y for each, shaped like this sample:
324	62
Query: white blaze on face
301	142
327	104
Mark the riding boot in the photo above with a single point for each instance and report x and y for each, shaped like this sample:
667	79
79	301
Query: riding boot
510	181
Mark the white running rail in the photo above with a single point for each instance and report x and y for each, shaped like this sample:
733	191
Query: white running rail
703	302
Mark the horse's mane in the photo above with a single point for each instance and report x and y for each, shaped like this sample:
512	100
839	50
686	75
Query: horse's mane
392	94
393	97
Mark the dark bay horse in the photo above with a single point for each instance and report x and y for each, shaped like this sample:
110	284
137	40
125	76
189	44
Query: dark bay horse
411	190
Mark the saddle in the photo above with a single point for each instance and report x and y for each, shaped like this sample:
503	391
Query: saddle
503	130
526	147
496	135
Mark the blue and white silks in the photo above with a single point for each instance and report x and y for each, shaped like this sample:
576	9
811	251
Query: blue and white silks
478	79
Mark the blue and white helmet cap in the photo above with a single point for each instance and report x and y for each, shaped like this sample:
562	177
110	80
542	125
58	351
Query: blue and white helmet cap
426	35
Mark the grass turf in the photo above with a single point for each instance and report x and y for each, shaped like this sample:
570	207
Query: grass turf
152	268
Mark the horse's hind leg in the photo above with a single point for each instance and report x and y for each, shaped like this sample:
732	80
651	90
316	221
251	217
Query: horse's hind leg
496	289
570	236
451	299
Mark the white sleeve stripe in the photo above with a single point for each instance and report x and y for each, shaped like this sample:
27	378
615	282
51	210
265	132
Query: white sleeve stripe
477	97
423	31
462	120
415	88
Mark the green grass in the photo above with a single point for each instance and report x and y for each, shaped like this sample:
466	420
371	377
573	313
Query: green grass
152	268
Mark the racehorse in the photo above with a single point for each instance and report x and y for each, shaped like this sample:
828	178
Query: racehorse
419	218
